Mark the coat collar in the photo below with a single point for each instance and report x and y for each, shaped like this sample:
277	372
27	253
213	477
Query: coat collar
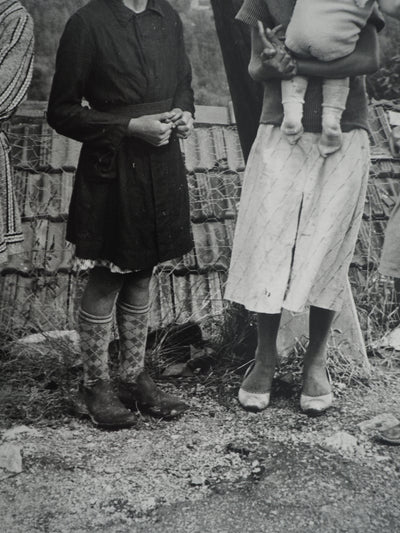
124	14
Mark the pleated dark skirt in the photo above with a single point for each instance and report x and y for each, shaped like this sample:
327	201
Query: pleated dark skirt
139	215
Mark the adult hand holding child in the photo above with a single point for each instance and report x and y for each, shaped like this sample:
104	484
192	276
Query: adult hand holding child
274	54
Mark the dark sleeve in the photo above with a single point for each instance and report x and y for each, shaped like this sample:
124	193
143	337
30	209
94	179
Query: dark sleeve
184	93
66	114
376	18
253	11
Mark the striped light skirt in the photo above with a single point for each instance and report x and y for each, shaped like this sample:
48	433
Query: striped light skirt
11	235
298	222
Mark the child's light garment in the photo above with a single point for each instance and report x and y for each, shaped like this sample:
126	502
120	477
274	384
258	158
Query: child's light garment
327	29
298	222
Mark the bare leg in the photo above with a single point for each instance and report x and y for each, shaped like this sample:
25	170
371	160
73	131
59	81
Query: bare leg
135	290
101	291
293	92
256	387
316	382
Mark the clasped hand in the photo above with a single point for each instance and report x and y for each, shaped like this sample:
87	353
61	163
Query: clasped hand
157	129
274	54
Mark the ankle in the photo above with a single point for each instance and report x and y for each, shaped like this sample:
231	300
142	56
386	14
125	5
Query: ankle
315	366
265	360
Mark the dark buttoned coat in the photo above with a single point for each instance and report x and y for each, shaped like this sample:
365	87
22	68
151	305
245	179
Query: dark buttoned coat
130	199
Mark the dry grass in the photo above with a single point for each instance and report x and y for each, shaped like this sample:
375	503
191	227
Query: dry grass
39	381
377	307
36	380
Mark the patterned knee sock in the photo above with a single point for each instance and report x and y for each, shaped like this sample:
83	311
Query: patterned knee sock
132	323
95	332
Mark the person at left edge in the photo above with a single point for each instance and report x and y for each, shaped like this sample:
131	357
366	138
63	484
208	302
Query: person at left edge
16	63
129	209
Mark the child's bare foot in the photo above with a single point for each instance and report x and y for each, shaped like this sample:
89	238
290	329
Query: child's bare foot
331	137
292	128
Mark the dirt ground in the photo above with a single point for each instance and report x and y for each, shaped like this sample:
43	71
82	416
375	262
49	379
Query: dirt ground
218	469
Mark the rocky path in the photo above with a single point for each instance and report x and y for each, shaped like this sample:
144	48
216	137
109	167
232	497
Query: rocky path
218	469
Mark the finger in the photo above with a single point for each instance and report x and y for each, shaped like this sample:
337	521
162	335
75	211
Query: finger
261	32
183	134
286	62
267	54
165	136
166	127
277	29
177	114
273	38
185	121
166	117
293	70
183	130
277	33
289	64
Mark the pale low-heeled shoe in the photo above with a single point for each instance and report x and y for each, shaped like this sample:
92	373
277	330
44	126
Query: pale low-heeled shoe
253	401
316	405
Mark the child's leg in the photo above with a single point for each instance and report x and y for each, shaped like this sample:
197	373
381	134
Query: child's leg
293	92
334	94
255	389
136	388
132	319
95	321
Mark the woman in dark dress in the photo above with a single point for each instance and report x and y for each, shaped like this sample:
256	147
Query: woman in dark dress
129	208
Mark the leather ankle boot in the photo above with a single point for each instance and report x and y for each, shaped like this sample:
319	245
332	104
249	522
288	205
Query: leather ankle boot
104	407
144	394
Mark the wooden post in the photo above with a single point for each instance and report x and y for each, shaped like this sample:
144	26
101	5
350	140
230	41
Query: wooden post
234	39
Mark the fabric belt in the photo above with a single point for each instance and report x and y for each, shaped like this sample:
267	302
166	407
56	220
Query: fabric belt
138	110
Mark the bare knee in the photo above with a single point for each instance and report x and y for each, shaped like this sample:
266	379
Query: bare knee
101	291
136	288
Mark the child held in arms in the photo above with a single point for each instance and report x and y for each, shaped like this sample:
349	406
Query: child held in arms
325	30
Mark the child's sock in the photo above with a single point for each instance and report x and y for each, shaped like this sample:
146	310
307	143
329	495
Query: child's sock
132	327
293	92
95	333
335	94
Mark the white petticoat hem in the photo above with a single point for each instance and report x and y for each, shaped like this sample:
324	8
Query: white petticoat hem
88	264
